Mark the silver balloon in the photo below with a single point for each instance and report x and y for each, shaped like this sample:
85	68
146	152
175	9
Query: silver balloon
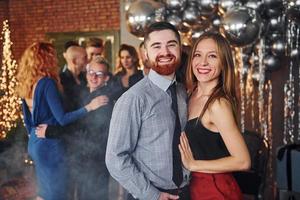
274	36
207	7
178	5
191	15
293	11
241	26
278	47
174	19
216	21
276	24
255	4
141	14
196	33
274	12
225	5
271	62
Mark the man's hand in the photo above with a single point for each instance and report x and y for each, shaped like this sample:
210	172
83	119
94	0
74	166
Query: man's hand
167	196
97	102
41	130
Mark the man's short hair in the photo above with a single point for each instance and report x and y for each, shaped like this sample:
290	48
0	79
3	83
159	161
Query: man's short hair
159	26
69	44
94	42
100	60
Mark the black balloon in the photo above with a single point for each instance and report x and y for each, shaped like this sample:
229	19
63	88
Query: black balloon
207	7
191	15
274	12
274	36
273	3
273	8
216	21
278	47
174	19
293	11
271	62
276	24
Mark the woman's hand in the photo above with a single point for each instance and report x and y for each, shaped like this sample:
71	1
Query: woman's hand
186	153
40	130
97	102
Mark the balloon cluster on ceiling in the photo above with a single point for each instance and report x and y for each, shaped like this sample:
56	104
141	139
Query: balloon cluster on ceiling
263	33
241	22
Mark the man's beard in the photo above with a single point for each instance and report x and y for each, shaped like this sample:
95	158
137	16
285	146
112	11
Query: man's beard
166	69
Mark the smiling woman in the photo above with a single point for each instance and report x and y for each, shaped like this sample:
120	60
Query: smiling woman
212	146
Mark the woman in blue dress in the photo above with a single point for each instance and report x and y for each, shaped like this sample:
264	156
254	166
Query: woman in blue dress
39	87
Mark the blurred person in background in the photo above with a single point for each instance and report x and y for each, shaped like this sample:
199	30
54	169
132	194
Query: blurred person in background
90	138
128	65
67	45
94	47
39	87
73	78
144	61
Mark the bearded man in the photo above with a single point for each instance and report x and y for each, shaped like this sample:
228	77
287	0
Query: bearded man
142	150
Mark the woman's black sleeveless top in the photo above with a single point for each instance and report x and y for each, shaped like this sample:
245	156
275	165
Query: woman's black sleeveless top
205	144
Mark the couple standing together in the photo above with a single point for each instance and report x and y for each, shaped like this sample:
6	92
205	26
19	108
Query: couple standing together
149	154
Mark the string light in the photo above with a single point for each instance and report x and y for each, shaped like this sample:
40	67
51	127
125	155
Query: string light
9	102
289	133
270	136
250	93
238	72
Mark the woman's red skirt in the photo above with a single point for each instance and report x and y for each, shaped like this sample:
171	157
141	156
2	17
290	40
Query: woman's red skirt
221	186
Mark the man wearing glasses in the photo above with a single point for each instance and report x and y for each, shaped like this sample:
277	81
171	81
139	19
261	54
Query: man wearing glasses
94	176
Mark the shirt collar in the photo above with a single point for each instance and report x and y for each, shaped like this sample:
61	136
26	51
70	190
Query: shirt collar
159	80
